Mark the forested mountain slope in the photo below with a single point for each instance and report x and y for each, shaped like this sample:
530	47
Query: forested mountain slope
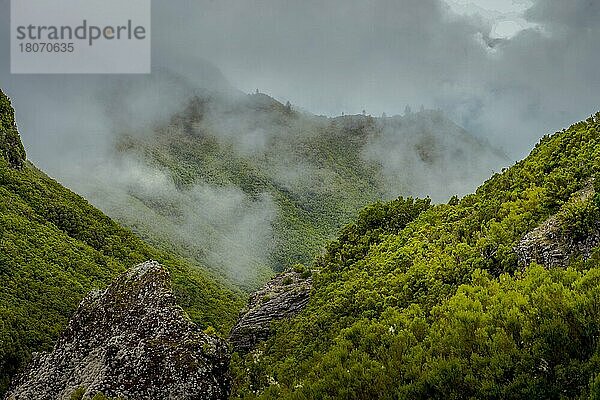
248	185
55	247
457	300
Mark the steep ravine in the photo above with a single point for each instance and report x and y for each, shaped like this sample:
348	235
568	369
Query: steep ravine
55	248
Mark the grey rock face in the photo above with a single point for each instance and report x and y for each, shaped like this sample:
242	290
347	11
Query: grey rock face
282	297
548	245
130	341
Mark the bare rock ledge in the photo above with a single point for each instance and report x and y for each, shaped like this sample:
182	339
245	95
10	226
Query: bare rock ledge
282	297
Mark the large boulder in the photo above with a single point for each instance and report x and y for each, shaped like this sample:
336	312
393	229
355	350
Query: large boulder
282	297
553	246
130	341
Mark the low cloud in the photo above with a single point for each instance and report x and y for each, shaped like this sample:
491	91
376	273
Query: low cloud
425	154
327	58
218	225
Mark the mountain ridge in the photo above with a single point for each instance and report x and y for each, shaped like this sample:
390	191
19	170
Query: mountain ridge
415	300
297	176
55	247
441	306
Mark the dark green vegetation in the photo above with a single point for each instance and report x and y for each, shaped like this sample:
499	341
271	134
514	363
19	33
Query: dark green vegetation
317	189
429	302
11	148
313	173
55	247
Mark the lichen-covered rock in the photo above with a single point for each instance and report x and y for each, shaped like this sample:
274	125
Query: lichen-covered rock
282	297
552	246
130	341
11	148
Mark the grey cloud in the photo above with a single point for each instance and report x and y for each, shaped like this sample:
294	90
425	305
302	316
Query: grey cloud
345	56
576	15
426	155
220	225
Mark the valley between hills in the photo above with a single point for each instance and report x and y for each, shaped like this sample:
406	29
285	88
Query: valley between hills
249	250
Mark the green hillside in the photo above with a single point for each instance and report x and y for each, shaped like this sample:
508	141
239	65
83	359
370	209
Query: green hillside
11	148
415	301
55	247
309	174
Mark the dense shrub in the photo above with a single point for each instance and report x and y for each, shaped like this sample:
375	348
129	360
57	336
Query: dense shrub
420	302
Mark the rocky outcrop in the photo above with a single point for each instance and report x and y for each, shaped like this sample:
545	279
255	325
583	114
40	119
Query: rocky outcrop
11	148
130	341
551	246
282	297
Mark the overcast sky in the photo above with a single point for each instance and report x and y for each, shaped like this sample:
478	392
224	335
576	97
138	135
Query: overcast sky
509	71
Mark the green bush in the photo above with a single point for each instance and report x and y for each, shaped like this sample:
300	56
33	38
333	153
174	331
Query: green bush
421	302
78	394
597	191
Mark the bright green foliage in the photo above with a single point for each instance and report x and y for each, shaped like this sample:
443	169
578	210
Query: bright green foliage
373	223
79	393
419	302
580	217
55	247
11	148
